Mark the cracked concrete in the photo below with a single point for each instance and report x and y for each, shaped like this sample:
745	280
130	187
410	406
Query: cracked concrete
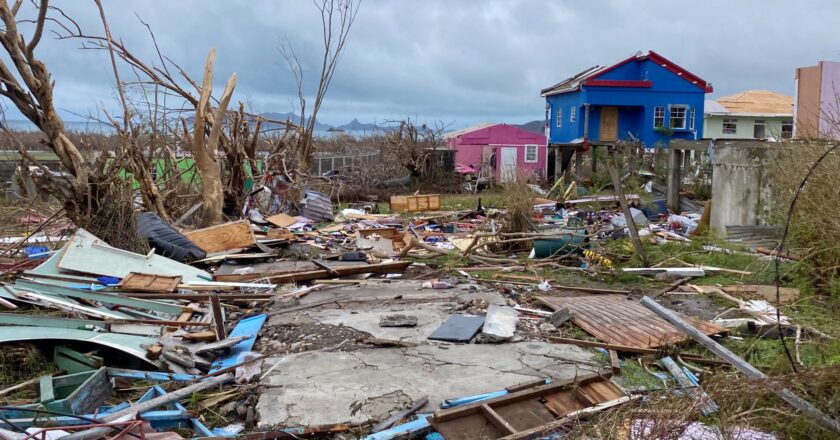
318	387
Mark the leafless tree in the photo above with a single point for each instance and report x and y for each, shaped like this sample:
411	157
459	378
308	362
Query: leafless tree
337	17
31	92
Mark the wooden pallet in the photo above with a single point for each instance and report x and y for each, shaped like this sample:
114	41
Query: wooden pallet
615	319
144	282
428	202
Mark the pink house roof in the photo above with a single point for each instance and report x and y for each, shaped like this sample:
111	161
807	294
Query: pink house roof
494	133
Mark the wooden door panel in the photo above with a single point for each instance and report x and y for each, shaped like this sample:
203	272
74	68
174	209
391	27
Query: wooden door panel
609	124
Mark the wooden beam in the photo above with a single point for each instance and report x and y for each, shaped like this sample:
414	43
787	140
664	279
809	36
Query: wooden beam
626	349
218	317
628	216
614	363
309	275
742	365
672	199
500	423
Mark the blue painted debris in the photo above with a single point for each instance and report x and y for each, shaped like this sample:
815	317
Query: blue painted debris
415	426
247	327
451	403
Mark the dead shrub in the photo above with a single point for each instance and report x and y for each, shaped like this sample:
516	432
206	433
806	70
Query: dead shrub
814	225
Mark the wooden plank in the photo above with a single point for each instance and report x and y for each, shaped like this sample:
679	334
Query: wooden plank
562	402
218	317
742	365
452	413
281	220
392	266
614	363
539	431
524	414
226	237
501	424
617	320
145	282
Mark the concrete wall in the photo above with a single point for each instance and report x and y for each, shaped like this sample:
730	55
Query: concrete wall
713	126
830	99
741	184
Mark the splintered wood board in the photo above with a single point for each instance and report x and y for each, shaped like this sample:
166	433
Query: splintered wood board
615	319
145	282
282	220
220	238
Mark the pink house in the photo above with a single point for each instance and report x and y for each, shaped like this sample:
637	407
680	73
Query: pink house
500	151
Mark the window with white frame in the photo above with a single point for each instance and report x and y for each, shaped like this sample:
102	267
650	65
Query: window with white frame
730	126
658	117
787	129
691	119
677	117
559	116
531	154
573	114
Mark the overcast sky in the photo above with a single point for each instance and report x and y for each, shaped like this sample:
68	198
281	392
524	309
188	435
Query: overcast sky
460	62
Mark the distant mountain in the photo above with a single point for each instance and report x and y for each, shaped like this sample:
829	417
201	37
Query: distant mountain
290	116
355	125
533	126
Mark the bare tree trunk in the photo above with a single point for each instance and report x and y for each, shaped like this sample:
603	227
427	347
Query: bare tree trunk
205	151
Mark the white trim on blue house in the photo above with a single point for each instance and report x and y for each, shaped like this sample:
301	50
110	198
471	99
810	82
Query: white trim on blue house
559	122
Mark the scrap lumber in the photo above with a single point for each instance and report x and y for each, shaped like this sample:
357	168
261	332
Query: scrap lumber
622	200
626	349
739	363
387	267
616	320
144	282
399	415
218	317
281	220
221	238
540	431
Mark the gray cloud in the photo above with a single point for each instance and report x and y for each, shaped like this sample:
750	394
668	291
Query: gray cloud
457	61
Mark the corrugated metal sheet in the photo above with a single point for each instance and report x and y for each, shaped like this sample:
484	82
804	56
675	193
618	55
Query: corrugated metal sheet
317	206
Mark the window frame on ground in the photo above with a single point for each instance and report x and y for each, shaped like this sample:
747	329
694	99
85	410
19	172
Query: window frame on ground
674	108
658	116
733	126
535	151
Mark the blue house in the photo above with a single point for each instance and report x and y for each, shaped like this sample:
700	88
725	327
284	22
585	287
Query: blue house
644	97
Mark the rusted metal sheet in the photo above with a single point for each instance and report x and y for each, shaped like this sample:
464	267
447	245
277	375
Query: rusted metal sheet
616	320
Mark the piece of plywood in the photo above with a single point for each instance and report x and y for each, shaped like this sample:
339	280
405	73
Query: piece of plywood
616	320
282	220
145	282
226	237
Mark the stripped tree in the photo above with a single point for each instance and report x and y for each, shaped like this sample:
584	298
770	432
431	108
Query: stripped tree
337	17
